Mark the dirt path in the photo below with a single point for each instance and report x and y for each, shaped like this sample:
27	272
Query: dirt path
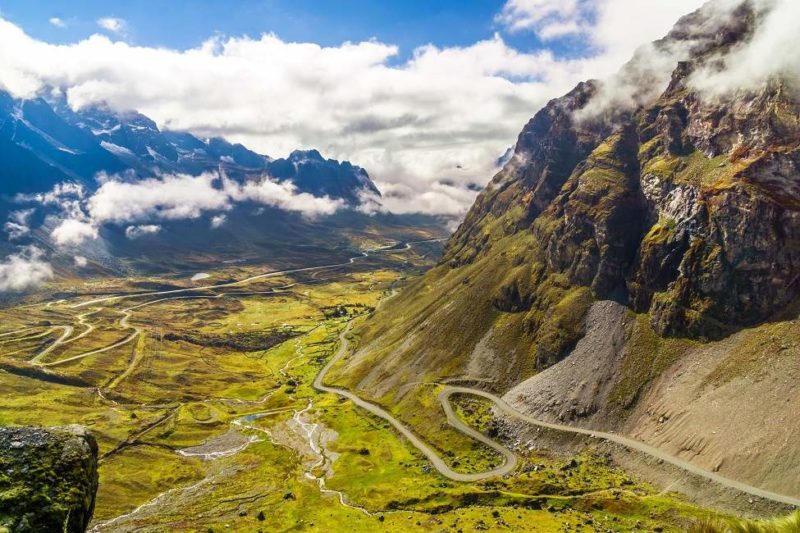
366	253
61	340
432	456
505	408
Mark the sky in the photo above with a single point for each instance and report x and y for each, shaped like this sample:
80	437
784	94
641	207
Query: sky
425	95
186	24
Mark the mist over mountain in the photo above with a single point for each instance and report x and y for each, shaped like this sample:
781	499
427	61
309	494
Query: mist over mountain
50	139
68	173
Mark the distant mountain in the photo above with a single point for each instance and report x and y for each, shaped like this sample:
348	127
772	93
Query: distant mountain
39	148
44	142
319	176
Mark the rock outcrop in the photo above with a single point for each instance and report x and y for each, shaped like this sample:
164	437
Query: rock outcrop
48	479
684	206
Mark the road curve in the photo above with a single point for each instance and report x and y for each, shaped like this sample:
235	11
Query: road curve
629	443
510	457
436	461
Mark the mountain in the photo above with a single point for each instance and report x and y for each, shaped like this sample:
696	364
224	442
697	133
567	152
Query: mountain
633	267
323	177
44	142
38	148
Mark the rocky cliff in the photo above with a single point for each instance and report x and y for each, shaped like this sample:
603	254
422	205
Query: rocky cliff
680	207
48	479
685	207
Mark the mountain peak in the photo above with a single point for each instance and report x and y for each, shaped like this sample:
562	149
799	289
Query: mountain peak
298	156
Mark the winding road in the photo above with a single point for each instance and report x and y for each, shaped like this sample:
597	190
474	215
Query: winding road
68	330
365	253
510	457
433	457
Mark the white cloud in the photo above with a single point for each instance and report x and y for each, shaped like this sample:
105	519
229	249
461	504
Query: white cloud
80	261
284	195
409	124
772	51
134	232
567	16
169	197
439	199
60	195
73	232
112	24
57	22
172	197
18	224
24	270
218	221
444	114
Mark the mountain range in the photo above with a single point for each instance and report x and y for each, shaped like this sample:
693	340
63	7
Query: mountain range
44	142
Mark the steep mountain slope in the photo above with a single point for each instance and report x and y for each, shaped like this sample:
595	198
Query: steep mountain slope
668	203
38	148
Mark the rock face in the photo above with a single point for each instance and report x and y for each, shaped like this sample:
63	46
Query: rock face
685	206
48	479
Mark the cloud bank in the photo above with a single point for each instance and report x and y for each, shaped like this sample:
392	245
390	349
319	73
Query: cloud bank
771	52
24	270
139	204
443	114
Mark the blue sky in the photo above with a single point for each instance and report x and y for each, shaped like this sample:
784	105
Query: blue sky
184	24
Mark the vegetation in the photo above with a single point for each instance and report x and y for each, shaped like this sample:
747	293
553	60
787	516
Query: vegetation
201	435
789	524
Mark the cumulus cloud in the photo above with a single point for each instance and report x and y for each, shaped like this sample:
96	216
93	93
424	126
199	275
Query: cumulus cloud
80	261
57	22
62	194
447	113
24	270
18	224
605	24
218	221
73	232
440	198
171	197
134	232
284	195
112	24
549	18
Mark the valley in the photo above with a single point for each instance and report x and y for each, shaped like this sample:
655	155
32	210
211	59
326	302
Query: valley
211	409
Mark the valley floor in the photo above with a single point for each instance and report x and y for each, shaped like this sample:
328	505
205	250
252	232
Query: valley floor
203	398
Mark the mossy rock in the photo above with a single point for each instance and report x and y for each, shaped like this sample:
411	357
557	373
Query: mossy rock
48	479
